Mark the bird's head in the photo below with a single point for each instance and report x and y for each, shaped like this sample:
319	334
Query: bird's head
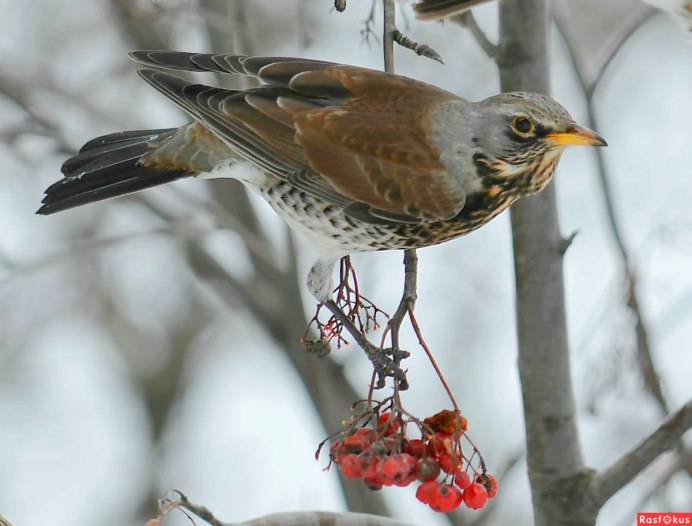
518	138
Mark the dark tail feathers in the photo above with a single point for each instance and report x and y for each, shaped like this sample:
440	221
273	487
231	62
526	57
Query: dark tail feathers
108	167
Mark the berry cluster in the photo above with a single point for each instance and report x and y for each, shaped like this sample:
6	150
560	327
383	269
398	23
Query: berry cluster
383	456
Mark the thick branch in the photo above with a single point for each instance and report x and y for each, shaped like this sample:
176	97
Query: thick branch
302	518
553	449
614	478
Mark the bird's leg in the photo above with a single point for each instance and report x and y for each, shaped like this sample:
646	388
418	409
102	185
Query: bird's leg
353	312
320	283
384	361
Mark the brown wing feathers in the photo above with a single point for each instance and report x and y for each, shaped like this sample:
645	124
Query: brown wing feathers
355	128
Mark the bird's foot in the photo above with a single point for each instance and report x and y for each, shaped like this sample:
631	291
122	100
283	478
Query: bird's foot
386	363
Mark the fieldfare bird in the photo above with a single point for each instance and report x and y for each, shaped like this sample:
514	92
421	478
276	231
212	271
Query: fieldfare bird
681	10
354	159
438	9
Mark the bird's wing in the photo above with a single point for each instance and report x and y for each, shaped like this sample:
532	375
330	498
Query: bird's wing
355	136
437	9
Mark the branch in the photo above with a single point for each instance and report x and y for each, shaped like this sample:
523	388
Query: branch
422	50
302	518
615	477
389	7
553	449
392	34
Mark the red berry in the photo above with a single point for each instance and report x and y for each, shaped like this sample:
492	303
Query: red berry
352	466
415	447
370	463
446	498
426	491
335	452
406	481
409	461
356	443
373	483
463	480
475	496
388	424
366	432
451	464
489	483
396	468
427	469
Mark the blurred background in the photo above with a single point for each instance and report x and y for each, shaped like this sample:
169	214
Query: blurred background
151	342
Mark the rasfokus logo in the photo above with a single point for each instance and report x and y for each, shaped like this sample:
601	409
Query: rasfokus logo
664	518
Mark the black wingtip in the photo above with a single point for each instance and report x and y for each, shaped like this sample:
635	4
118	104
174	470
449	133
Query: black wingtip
139	56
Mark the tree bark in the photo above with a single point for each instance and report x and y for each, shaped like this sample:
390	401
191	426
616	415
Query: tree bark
555	464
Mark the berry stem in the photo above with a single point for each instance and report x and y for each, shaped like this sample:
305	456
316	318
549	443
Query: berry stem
419	335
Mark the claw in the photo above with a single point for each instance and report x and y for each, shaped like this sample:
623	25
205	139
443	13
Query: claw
386	365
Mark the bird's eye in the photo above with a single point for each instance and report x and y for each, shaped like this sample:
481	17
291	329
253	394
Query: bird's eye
523	125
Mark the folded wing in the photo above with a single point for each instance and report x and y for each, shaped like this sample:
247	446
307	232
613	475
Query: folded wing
354	136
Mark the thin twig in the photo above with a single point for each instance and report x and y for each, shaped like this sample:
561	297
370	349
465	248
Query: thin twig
389	26
422	50
431	357
629	465
201	511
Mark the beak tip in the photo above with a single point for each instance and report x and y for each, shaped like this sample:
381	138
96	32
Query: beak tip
600	141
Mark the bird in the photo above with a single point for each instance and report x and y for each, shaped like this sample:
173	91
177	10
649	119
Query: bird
680	10
355	159
439	9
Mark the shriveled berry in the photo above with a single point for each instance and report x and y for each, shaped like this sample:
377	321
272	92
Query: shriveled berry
426	491
475	496
439	444
463	480
489	483
352	466
446	498
427	469
446	421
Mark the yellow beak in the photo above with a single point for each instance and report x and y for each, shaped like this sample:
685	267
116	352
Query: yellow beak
576	136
